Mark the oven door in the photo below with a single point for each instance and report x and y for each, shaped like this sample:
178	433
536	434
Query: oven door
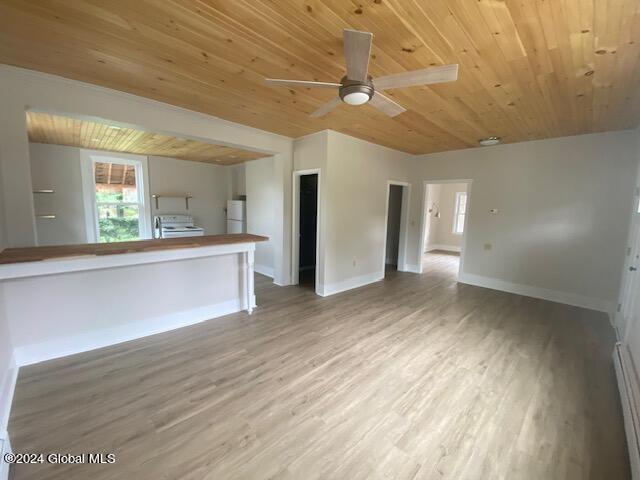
180	232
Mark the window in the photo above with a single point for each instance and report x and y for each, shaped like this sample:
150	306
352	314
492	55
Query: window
460	212
117	202
115	197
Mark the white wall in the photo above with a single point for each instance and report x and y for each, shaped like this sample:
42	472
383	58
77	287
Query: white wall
261	194
556	234
55	315
440	230
207	183
8	370
58	167
563	213
23	89
627	322
353	196
237	181
356	190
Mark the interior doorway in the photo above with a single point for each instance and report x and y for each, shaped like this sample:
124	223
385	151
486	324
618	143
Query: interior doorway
394	257
308	221
627	317
444	226
306	189
393	227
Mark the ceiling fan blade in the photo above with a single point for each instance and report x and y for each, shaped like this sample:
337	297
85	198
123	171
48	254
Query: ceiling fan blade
280	82
357	48
386	105
426	76
326	107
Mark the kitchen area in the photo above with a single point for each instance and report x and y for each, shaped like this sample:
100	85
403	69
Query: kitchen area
97	182
139	232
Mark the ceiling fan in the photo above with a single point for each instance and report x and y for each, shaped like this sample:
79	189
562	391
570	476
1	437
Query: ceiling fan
357	87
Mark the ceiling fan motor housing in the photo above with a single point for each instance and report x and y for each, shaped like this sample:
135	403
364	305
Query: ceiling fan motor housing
355	89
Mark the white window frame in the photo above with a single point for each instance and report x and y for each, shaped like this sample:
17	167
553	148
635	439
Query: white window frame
457	214
88	160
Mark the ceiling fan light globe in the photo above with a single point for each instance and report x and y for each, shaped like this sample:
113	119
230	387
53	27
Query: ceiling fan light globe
356	98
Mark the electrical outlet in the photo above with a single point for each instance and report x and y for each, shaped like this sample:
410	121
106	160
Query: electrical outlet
488	246
494	211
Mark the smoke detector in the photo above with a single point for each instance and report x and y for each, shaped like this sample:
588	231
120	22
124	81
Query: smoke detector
489	141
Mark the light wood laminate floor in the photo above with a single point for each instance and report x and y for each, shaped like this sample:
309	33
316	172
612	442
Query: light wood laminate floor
414	377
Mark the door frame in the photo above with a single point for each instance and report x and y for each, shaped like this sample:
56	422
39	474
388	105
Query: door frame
295	228
423	212
404	225
630	280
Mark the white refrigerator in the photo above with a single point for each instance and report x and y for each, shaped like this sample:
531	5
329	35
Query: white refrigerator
236	216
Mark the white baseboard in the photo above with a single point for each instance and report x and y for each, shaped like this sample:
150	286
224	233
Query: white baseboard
7	388
629	393
264	270
62	347
411	268
446	248
5	447
354	282
538	292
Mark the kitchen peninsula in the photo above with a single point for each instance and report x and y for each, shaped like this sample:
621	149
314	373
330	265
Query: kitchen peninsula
61	300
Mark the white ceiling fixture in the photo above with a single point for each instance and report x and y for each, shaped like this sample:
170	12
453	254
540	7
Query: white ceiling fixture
489	141
357	87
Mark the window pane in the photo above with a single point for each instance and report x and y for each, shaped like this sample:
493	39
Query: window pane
115	182
461	210
118	223
462	206
460	224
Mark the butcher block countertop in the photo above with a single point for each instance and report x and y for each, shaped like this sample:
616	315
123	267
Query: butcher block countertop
36	254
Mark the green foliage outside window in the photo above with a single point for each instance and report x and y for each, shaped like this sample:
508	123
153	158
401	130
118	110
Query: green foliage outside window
118	223
117	229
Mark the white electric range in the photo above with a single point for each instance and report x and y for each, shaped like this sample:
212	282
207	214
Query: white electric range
173	226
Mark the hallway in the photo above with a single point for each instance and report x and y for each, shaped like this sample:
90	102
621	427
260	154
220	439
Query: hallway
441	263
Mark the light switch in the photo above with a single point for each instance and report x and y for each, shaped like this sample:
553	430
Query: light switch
488	246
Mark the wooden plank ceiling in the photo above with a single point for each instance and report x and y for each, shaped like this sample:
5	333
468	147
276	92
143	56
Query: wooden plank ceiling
74	132
529	69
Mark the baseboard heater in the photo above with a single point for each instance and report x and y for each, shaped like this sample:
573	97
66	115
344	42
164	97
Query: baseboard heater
629	393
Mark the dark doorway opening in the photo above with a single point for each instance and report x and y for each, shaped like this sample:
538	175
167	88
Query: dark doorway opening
394	214
308	230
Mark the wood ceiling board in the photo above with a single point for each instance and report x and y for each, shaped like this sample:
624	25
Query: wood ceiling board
74	132
528	69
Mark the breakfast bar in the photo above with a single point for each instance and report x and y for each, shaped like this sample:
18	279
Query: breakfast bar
61	300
